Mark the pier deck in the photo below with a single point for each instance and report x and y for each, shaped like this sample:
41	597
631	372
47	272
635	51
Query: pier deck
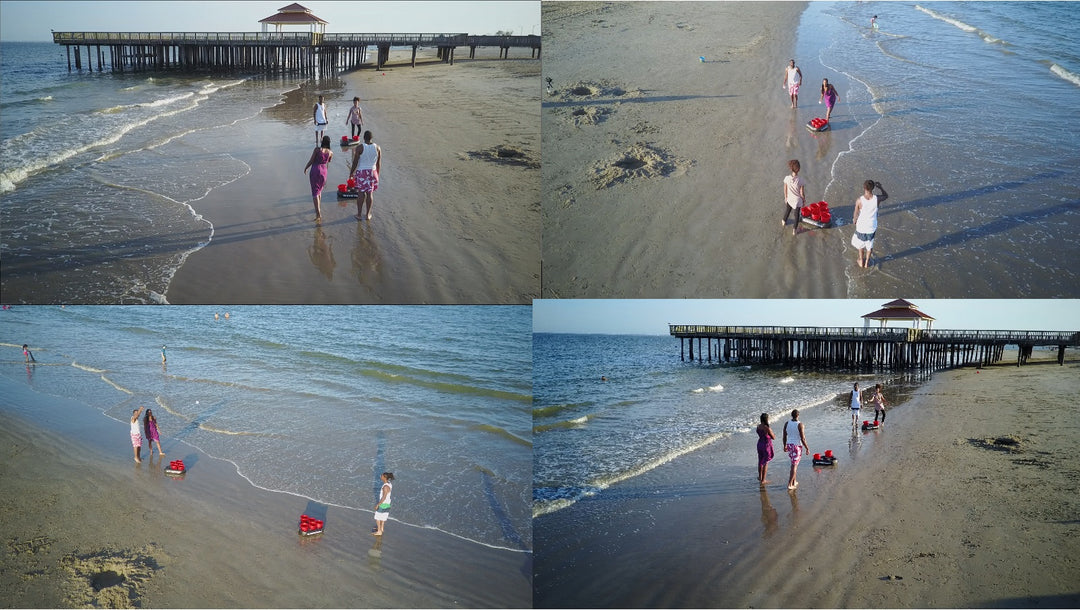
859	347
304	52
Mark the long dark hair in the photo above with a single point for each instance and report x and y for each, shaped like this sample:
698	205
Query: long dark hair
326	141
149	417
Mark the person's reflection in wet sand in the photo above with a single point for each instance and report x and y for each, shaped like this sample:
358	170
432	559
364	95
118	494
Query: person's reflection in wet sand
321	254
365	255
793	493
769	516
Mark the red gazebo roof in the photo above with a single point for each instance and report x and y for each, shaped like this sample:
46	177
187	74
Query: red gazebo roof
293	14
898	310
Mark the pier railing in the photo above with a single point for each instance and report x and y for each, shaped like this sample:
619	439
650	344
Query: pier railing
286	51
108	38
847	346
1027	337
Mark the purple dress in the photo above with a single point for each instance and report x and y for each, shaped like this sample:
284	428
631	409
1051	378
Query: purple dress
317	175
764	447
151	430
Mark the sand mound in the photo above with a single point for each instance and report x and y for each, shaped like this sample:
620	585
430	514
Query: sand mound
590	115
109	578
639	161
592	90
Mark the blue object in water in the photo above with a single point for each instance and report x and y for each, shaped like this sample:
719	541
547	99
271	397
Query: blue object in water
702	58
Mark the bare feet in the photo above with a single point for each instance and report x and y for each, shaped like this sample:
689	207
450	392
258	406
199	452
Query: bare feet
358	217
369	215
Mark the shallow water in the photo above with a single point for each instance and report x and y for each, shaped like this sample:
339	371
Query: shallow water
317	401
590	434
103	170
963	111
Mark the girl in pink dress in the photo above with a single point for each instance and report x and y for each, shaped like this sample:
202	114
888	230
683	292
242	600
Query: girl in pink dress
317	162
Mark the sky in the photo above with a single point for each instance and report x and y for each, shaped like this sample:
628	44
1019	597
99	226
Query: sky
32	21
651	317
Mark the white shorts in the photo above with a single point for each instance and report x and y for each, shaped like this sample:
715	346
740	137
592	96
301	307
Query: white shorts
861	244
855	412
381	516
320	127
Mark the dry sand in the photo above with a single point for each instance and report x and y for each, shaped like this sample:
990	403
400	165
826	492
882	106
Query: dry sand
968	497
662	173
456	216
85	526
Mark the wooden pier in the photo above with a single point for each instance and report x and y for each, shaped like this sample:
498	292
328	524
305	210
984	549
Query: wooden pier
302	52
863	348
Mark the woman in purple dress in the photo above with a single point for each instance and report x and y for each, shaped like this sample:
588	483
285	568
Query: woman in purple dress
764	447
829	96
320	157
152	434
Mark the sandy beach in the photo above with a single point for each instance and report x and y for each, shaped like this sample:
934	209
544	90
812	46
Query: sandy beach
84	525
456	216
966	498
664	172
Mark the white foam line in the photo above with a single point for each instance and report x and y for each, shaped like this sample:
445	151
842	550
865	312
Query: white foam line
851	144
342	506
300	495
1065	74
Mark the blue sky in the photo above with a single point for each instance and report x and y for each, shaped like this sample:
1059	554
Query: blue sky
651	317
31	21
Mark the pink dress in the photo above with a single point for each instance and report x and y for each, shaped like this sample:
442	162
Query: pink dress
317	175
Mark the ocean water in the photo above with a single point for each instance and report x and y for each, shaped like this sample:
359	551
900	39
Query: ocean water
966	113
316	401
101	172
589	434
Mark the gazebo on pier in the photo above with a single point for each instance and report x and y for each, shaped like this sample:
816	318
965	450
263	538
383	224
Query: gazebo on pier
899	310
294	14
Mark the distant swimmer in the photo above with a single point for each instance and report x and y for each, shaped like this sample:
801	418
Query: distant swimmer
226	315
792	80
318	115
355	120
27	354
382	509
163	354
873	23
602	378
216	316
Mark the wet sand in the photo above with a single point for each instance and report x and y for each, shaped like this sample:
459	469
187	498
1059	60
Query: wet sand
966	498
663	173
456	216
84	525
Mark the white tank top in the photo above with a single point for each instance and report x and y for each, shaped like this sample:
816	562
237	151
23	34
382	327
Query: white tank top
793	77
792	428
320	113
369	155
855	404
867	221
386	503
135	427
